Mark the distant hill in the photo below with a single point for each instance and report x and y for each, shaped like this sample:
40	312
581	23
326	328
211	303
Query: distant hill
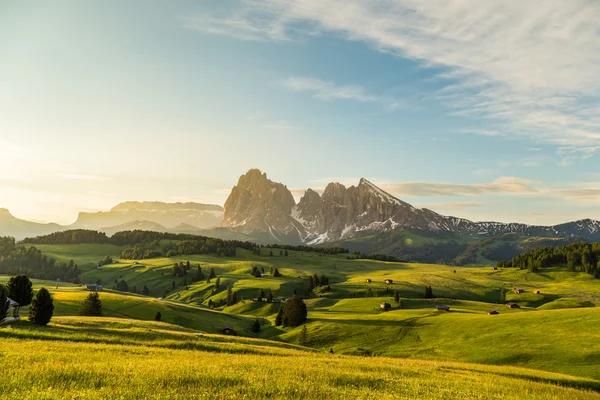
18	228
168	215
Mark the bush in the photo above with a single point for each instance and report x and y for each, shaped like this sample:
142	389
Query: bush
158	316
20	290
91	306
42	308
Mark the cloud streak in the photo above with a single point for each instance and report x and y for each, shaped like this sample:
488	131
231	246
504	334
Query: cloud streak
327	91
530	71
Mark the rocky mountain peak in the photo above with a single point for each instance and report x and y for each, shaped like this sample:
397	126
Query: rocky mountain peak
258	204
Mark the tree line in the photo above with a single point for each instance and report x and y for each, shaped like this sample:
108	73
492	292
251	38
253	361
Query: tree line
575	257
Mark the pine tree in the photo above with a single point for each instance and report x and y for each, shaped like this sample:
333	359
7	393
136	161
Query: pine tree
261	294
276	273
20	290
270	297
42	307
187	266
158	316
91	306
271	270
146	291
218	282
173	285
303	336
286	253
256	326
279	317
212	273
502	296
294	312
4	304
210	303
396	297
280	252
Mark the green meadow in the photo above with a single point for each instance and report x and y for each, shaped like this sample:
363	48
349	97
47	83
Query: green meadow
546	348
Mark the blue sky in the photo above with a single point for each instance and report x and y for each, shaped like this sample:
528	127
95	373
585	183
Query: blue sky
484	110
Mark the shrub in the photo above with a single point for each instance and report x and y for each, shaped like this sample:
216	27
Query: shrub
42	308
158	316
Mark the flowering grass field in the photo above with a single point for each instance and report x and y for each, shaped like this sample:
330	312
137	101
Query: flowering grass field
132	359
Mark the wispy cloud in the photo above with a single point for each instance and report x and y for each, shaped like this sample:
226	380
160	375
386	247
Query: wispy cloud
83	177
325	90
510	185
530	70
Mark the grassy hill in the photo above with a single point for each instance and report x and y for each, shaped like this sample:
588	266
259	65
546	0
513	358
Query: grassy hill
121	358
554	330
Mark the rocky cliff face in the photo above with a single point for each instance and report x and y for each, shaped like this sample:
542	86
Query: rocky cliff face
168	215
257	205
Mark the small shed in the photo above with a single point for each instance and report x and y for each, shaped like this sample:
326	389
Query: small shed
385	306
536	292
518	290
442	308
92	287
492	312
512	305
389	281
368	280
228	330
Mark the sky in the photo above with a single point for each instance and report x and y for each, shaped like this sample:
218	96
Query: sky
483	110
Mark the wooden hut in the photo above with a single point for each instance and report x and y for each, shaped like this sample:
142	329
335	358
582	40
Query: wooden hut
389	281
512	305
492	312
442	308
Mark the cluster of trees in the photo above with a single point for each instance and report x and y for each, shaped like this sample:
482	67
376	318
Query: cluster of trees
231	296
105	261
268	297
576	257
181	269
16	260
292	313
314	281
122	286
73	236
307	249
378	257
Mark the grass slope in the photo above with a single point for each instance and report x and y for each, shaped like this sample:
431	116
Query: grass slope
143	364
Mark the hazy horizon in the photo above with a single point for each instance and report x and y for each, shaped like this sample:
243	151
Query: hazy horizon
486	113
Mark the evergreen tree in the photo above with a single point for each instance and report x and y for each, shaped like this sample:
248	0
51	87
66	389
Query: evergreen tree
502	296
210	303
208	280
271	270
261	294
256	326
276	273
280	252
173	285
158	316
428	292
396	296
257	273
42	307
146	291
271	253
198	276
294	313
20	290
310	284
279	317
187	266
286	253
91	306
218	282
212	273
270	297
303	341
4	304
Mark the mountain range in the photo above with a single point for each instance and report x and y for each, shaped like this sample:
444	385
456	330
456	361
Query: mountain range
259	206
361	218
